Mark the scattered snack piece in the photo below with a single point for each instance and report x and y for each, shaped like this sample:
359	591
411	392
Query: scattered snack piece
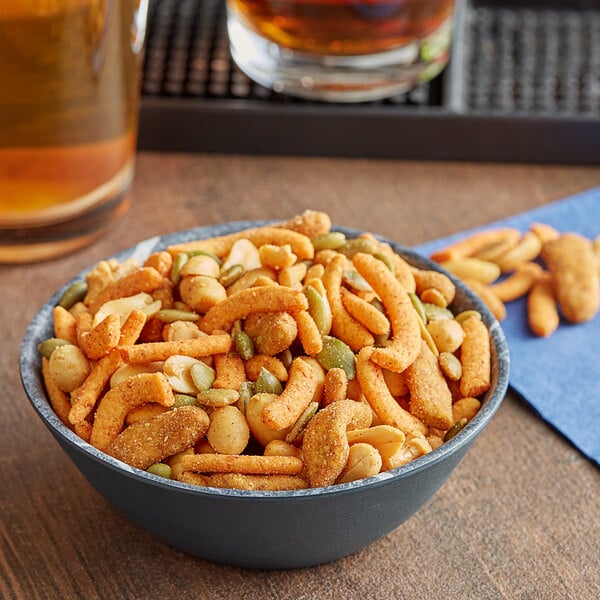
526	250
542	311
572	262
473	268
518	283
545	232
476	243
489	298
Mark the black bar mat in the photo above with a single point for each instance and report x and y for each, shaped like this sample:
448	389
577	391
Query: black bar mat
523	84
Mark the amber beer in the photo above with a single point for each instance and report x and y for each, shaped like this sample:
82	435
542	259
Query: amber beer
344	27
340	50
69	73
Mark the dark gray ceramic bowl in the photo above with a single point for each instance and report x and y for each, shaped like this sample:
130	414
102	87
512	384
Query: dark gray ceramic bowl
264	529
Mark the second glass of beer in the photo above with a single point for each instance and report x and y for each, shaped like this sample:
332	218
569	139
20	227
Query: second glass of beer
340	50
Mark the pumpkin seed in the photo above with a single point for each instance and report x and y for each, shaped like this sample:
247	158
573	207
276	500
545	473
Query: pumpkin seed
336	353
428	339
191	253
465	314
286	357
73	294
435	312
386	261
202	375
184	400
302	421
231	275
329	241
246	390
356	245
244	345
378	304
356	281
267	383
47	347
178	263
450	366
458	426
319	309
160	469
170	315
218	397
434	296
418	305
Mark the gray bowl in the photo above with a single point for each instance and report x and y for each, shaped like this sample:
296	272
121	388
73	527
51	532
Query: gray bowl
275	530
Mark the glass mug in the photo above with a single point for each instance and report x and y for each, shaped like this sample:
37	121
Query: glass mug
340	50
69	94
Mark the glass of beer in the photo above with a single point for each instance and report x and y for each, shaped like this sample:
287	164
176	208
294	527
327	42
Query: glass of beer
69	95
340	50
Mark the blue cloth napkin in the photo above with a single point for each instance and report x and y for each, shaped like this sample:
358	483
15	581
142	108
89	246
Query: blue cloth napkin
558	376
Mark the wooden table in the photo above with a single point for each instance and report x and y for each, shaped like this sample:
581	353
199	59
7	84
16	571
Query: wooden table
519	518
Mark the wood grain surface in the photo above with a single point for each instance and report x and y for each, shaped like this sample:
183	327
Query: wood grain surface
518	519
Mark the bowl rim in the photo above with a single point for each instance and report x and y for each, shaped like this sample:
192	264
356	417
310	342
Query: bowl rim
38	328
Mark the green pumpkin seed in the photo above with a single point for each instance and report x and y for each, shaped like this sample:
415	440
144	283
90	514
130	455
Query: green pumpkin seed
356	281
247	390
170	315
336	353
428	339
202	375
184	400
231	275
302	421
435	312
318	309
329	241
244	345
191	253
356	245
378	304
416	302
458	426
386	261
267	383
381	339
450	366
178	263
160	469
465	314
73	294
47	347
218	397
286	357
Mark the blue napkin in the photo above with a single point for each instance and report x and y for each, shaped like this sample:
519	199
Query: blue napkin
558	376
